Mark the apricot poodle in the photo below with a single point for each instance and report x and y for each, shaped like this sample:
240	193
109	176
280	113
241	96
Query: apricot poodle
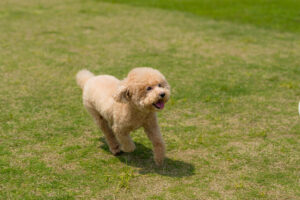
121	106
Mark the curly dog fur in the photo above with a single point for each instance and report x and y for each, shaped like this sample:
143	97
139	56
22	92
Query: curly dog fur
121	106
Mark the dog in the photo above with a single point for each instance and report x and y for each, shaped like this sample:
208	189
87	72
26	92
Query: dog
121	106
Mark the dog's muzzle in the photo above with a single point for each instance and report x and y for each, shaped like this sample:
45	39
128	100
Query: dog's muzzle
160	104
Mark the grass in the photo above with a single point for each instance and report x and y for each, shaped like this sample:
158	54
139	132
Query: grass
270	14
231	127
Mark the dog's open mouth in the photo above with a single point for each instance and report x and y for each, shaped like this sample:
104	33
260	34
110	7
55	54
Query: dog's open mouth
159	105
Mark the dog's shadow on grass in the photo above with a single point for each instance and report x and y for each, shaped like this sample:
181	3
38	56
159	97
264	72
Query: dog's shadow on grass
142	158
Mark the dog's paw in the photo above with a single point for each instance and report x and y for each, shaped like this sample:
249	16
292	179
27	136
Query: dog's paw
129	147
116	150
159	161
119	153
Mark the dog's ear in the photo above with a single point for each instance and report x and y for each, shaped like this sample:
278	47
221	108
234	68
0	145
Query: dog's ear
122	94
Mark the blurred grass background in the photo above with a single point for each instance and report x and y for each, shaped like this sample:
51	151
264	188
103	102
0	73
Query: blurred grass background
275	14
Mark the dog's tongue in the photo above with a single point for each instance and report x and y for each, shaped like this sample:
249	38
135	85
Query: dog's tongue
160	104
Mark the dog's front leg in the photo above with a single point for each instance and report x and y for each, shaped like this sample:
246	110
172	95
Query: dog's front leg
152	130
127	145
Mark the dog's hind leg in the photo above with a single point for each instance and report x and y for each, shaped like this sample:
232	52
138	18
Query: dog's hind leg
110	138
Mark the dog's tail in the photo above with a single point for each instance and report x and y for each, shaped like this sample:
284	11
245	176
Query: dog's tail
82	76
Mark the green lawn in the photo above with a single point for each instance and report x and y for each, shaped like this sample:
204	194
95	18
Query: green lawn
232	128
283	15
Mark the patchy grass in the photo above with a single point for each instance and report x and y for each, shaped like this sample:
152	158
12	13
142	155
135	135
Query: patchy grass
231	127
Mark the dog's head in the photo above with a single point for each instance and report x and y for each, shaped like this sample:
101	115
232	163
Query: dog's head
145	88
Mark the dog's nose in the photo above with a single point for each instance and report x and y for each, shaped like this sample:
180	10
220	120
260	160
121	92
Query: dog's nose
162	94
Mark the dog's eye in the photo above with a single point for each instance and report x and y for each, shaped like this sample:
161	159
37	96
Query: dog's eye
149	88
159	85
